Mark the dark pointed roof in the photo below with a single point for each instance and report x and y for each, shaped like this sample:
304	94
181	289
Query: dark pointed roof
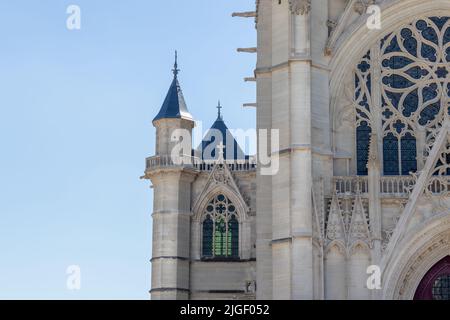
174	106
211	141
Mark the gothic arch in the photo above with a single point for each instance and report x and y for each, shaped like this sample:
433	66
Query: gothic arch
236	198
432	289
359	245
242	210
358	261
425	246
337	246
335	264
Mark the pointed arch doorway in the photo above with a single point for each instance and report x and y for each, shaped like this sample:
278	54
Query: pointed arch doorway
435	285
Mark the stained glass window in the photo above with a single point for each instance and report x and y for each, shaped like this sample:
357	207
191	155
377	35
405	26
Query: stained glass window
220	229
208	227
390	152
233	227
362	148
363	87
414	67
441	288
409	154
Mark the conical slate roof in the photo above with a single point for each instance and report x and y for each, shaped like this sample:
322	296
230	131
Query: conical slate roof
218	133
174	106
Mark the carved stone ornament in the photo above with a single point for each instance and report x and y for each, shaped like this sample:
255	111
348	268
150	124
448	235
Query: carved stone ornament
220	176
300	7
362	5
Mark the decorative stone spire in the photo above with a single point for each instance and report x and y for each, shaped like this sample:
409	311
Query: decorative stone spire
174	106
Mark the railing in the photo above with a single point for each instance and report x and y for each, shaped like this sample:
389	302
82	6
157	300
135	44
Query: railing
351	185
390	186
439	185
397	186
166	161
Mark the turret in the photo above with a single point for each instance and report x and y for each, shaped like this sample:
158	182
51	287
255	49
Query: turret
172	196
173	115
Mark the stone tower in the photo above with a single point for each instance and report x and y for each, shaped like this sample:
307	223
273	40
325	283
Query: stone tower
290	59
204	208
359	208
171	208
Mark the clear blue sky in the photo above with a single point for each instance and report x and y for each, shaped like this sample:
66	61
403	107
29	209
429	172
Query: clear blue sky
75	128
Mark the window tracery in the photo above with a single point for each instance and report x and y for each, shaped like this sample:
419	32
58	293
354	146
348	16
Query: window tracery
410	101
220	238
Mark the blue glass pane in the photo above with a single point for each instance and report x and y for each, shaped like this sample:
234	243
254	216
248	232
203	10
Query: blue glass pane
440	21
419	51
410	43
393	46
409	154
429	113
362	147
208	227
411	103
429	52
397	82
390	155
394	98
233	226
397	62
220	238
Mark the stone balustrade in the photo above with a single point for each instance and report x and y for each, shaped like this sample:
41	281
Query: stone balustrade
350	185
439	185
390	186
397	186
196	163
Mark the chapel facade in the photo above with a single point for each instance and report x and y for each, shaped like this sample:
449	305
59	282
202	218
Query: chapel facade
362	116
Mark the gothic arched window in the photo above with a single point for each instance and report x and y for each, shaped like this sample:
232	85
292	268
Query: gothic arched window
402	93
220	229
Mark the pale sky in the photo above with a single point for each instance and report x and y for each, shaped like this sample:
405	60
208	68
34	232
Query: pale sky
75	129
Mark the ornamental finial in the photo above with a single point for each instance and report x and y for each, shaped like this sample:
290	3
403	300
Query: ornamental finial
219	108
175	69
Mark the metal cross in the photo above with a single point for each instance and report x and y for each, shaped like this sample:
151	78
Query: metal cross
219	108
175	69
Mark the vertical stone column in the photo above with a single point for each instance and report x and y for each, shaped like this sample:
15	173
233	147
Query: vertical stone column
421	138
377	110
280	184
375	162
374	175
171	235
292	185
171	215
284	104
321	123
263	182
301	153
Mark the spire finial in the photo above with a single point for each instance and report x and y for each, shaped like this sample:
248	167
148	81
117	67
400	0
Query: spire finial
219	108
175	69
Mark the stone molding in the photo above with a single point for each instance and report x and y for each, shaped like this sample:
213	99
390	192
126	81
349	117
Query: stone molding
300	7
